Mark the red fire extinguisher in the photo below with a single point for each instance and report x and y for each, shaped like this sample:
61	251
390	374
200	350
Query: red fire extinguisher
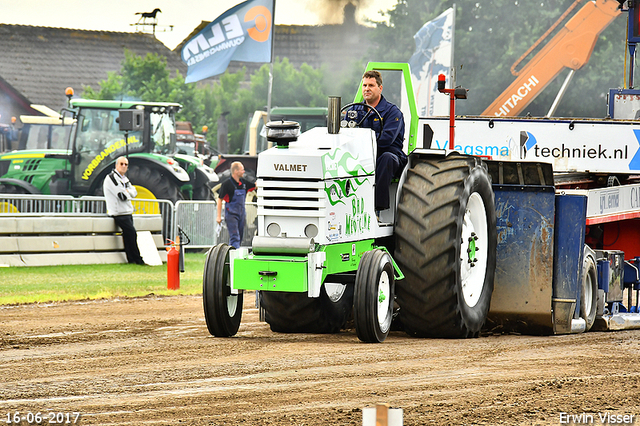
173	271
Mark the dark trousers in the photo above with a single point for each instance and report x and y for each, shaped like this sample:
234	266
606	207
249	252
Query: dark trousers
129	238
387	166
235	225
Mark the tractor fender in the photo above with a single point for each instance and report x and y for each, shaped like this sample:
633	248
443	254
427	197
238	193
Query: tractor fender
206	176
176	173
22	184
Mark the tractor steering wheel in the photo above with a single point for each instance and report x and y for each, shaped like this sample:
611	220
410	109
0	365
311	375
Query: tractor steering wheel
351	123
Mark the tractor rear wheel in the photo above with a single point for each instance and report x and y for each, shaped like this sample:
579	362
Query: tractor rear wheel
222	309
299	313
446	247
152	181
373	297
202	192
17	205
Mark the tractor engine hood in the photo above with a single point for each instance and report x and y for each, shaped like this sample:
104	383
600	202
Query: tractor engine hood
320	155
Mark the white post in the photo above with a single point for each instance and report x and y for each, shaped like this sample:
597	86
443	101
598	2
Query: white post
382	415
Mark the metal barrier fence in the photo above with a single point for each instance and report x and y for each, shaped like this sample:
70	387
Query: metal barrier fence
197	219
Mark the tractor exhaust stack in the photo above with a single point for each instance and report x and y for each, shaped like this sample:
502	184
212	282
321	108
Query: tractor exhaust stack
333	116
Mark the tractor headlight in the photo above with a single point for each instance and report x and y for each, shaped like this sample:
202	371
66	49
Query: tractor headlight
281	133
273	229
311	231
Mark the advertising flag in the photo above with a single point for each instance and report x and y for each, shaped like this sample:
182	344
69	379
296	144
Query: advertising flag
242	33
433	56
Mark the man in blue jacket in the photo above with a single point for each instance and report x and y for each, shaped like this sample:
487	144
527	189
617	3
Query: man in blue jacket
391	159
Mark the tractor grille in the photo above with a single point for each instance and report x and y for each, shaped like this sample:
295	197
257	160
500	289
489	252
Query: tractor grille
31	164
294	197
4	167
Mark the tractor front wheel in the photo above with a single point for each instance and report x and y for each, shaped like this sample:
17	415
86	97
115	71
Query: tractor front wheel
373	297
222	309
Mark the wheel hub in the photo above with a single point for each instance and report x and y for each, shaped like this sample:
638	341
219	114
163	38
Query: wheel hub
384	291
232	304
473	250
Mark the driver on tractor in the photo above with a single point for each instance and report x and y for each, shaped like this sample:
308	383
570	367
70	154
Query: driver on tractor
391	160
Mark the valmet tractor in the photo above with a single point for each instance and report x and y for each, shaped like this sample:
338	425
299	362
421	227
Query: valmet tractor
321	253
95	141
468	242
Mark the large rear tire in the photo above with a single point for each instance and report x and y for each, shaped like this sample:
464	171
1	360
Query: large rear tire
446	247
16	206
222	310
373	297
299	313
162	186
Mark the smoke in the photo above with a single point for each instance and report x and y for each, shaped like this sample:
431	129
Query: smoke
332	11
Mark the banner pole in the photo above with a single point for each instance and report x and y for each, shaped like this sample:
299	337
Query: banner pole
452	70
269	92
273	42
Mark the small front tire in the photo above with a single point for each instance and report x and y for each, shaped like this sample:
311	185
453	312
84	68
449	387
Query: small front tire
222	309
373	297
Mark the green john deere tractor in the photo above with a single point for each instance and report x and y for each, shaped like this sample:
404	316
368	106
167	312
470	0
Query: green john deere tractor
95	141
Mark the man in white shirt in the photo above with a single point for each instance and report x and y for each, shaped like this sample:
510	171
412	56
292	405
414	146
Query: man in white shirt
118	193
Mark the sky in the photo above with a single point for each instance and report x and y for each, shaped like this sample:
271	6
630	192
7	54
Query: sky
178	17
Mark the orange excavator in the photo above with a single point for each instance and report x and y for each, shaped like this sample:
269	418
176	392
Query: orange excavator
570	48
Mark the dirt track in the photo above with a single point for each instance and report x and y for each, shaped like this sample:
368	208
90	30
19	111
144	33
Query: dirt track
151	361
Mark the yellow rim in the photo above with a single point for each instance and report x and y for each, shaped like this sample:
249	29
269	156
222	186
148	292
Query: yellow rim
145	207
8	208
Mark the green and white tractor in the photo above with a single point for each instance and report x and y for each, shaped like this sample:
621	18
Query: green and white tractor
322	257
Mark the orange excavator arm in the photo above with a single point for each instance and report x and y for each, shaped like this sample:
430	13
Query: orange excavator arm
570	48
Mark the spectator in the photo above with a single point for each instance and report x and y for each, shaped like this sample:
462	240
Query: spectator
118	193
234	192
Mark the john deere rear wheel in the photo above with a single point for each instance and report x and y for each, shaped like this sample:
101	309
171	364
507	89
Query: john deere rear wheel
153	181
17	205
446	247
150	183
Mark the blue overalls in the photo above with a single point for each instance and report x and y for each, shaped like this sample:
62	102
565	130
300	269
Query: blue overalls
235	216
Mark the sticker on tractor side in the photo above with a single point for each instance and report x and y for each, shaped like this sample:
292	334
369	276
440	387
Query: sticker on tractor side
86	174
358	221
341	163
334	228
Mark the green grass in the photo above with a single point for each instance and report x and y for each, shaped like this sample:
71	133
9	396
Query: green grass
80	282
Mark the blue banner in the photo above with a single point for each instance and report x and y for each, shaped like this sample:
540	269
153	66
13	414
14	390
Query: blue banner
242	33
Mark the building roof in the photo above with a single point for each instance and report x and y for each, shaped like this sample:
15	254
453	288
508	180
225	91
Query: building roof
40	62
37	64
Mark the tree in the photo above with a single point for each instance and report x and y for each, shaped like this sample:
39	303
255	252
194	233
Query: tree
147	79
490	36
